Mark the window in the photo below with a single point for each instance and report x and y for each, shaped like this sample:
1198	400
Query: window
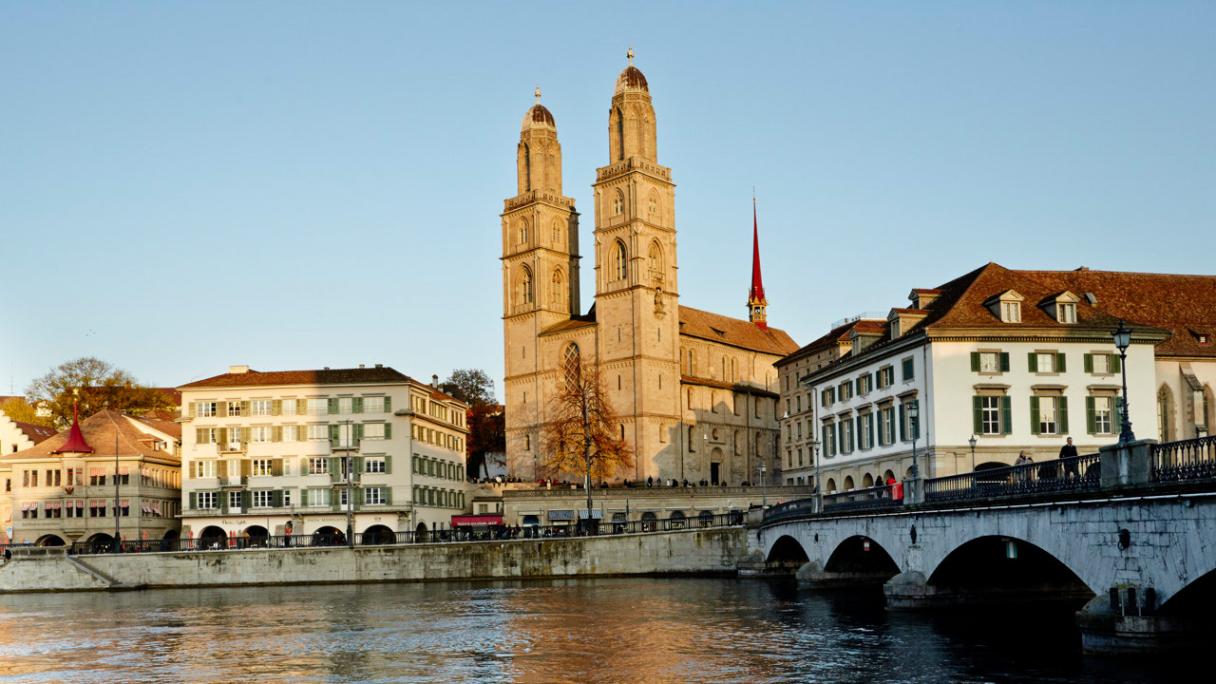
886	377
844	390
318	431
1101	416
205	409
205	500
1067	312
318	497
261	433
373	496
886	425
1043	362
829	439
373	430
373	404
988	361
618	203
204	468
234	501
865	430
288	407
318	407
374	465
287	498
621	270
909	369
235	408
261	407
1049	415
990	415
523	231
263	466
865	384
343	497
263	498
845	427
1011	312
318	466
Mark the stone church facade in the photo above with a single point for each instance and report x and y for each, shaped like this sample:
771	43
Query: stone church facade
696	391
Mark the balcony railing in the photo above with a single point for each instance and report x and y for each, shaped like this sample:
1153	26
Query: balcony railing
1187	460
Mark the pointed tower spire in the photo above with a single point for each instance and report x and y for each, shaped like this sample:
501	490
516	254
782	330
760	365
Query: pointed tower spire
75	443
757	305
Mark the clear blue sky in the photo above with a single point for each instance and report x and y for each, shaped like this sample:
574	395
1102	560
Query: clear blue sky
296	185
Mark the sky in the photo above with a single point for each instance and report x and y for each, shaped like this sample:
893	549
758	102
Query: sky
185	186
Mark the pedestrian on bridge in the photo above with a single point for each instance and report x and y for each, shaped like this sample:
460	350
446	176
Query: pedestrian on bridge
1068	455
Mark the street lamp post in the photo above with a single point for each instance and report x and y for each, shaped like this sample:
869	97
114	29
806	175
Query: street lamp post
815	473
117	502
913	413
972	442
763	488
1123	339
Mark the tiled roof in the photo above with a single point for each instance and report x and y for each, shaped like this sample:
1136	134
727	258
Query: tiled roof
169	427
734	331
35	433
1182	305
100	430
740	387
332	376
841	333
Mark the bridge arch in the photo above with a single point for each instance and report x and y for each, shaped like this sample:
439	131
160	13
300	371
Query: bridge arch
786	550
860	554
1002	568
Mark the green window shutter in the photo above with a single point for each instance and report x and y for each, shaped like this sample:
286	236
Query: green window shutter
199	436
1090	423
357	466
388	404
1004	362
303	497
244	408
1006	415
332	406
388	430
1032	362
304	466
276	467
193	501
335	467
221	409
1114	363
871	429
276	499
333	434
975	362
1034	415
276	433
193	409
276	407
857	430
223	436
1089	363
245	500
358	431
356	405
387	494
900	431
301	407
388	465
1063	415
977	415
1061	365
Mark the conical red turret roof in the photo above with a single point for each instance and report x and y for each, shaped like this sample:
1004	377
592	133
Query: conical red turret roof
75	443
756	302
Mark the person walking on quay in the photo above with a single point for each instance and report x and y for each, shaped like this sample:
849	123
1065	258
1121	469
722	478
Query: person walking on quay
1068	456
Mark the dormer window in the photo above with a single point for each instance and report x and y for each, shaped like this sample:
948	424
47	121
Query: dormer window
1006	306
1066	313
1011	312
1062	307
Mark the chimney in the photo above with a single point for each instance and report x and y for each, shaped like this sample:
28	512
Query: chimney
435	381
239	369
360	365
379	365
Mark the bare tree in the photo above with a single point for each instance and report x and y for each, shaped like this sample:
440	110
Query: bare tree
584	434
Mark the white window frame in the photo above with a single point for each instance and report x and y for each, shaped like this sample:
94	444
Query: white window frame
1049	418
373	496
990	414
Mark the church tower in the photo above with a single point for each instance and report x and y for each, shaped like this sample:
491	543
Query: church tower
539	267
757	304
636	293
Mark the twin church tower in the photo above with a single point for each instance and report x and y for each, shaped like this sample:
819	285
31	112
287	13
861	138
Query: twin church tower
696	392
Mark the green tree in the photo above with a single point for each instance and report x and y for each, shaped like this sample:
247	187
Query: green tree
96	385
473	386
22	411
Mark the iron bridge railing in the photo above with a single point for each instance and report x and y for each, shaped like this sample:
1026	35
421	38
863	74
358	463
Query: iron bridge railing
1186	460
1066	475
385	537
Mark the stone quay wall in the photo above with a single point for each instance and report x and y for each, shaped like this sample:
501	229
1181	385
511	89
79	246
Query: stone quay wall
685	552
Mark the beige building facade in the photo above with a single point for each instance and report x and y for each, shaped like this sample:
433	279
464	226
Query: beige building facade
696	391
263	450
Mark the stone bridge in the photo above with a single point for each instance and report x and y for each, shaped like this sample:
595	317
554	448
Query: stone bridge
1133	539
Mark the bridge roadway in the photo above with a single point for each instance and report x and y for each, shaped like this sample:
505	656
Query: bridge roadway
1132	538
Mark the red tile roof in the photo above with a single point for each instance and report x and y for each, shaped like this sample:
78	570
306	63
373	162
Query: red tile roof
327	376
740	387
100	430
735	332
841	333
35	433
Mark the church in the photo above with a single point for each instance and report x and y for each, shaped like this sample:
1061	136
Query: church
696	392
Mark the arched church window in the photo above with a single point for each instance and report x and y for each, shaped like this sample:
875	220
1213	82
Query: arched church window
526	286
652	207
557	294
621	270
523	231
1164	419
557	235
572	365
655	263
618	203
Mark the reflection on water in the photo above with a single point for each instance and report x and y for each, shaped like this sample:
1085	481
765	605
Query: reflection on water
591	630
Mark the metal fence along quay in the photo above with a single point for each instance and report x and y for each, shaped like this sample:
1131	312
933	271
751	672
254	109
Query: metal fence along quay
595	528
1185	461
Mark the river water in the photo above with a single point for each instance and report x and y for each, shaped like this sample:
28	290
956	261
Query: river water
586	630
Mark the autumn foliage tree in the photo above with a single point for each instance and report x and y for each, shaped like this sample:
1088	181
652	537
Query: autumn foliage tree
583	435
96	385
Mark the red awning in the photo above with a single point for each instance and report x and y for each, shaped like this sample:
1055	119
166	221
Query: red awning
470	520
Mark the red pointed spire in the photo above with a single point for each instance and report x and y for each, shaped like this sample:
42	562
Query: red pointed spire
756	302
75	443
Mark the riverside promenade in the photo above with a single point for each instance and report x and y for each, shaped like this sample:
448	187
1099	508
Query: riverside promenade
709	550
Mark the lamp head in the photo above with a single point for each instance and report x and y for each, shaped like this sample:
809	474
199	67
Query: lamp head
1123	337
972	441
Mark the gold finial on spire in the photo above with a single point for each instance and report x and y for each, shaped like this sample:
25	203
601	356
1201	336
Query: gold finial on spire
537	94
629	55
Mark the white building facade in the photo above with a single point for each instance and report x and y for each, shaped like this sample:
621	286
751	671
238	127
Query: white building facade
267	453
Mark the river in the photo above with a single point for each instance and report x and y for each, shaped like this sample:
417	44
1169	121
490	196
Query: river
586	630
